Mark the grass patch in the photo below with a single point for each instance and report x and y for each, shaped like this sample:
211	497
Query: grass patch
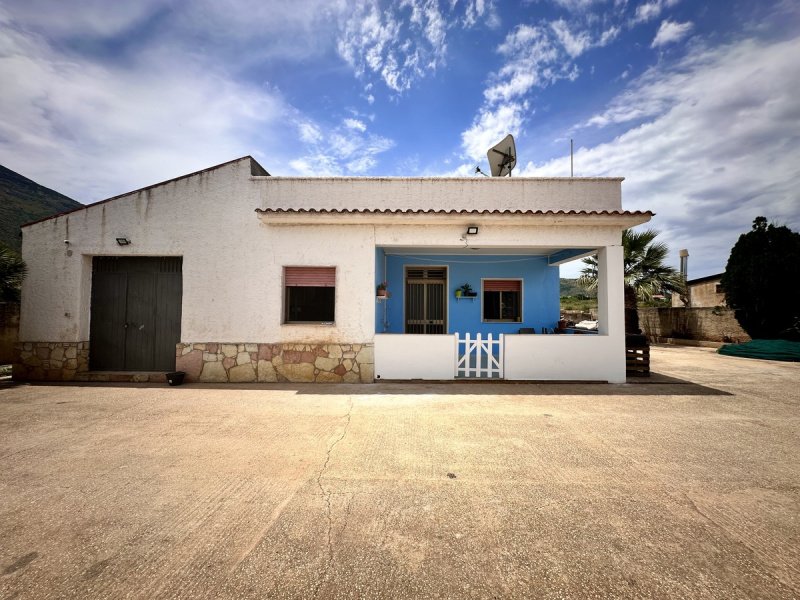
579	303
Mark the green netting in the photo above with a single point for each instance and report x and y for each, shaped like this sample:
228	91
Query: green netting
765	349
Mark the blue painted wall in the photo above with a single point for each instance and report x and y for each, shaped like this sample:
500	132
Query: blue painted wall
540	291
381	307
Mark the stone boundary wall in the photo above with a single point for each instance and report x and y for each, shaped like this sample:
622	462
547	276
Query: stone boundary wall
9	328
701	324
51	361
252	362
208	362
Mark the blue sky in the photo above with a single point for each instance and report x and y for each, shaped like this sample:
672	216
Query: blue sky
696	104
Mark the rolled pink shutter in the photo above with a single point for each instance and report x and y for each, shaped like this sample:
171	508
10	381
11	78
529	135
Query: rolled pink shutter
309	276
502	285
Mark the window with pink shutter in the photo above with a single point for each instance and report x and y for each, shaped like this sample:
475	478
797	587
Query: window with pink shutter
309	294
502	300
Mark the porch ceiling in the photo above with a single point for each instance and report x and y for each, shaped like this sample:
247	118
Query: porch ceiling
471	250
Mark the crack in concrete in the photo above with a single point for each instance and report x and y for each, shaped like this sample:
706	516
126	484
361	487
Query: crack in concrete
326	494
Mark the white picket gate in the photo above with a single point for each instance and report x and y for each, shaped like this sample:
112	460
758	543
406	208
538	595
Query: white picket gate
479	357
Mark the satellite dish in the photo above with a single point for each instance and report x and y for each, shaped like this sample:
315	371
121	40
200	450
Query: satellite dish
503	157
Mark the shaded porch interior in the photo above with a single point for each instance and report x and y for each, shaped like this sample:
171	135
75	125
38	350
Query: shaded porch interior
515	289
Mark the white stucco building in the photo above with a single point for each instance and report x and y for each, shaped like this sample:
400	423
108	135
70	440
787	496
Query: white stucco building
230	274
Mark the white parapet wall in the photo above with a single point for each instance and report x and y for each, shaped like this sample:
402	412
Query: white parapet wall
565	358
526	357
441	193
405	356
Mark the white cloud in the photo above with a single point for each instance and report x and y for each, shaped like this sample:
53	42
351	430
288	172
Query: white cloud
92	130
426	15
535	56
532	60
309	133
573	43
399	45
86	18
367	35
608	36
538	56
241	32
491	125
647	11
481	12
577	5
715	144
355	124
652	9
164	110
670	32
361	164
403	42
343	150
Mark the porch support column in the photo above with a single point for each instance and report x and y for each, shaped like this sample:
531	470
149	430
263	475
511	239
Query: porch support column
611	308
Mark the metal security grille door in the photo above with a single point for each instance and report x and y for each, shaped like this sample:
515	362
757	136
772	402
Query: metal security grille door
426	306
135	313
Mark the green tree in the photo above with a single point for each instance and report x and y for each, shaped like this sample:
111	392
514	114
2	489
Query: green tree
646	275
760	281
12	272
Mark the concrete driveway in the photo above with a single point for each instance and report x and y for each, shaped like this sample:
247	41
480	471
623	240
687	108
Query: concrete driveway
660	489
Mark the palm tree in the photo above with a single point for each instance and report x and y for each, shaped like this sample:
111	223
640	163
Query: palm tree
12	272
645	273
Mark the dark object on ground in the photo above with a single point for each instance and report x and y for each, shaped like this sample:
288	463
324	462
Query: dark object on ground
176	378
637	356
765	350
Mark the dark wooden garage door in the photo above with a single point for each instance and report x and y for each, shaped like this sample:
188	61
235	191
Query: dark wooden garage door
135	313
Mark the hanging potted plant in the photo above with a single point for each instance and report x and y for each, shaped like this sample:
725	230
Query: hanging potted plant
381	290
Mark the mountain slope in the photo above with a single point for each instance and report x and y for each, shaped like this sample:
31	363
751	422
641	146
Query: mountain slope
570	287
22	201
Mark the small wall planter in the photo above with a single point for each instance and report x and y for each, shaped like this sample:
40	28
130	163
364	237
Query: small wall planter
466	291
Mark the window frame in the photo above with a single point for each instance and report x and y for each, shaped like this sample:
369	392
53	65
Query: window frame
285	295
520	318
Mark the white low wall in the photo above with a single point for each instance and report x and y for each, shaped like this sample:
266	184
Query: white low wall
406	356
526	357
565	357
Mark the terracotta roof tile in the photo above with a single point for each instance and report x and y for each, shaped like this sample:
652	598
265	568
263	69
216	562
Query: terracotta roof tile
431	211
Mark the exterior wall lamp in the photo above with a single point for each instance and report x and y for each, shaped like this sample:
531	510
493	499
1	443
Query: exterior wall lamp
472	230
123	241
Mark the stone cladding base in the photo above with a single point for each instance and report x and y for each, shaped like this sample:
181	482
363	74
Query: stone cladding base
297	363
51	361
208	362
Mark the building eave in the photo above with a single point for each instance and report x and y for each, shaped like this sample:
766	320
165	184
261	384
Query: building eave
289	216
